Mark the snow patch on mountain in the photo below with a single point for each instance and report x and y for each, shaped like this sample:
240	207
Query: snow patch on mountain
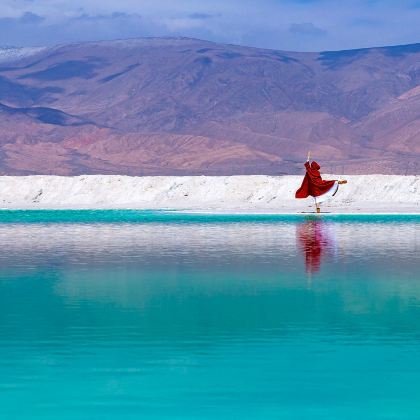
14	54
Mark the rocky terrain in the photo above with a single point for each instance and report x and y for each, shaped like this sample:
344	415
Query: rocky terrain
191	107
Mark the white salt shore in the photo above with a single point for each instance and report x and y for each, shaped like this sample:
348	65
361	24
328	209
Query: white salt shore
221	194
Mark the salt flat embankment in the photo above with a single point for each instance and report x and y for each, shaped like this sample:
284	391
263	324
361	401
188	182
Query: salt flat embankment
250	193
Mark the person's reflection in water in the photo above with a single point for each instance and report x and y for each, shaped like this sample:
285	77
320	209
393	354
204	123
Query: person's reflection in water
315	240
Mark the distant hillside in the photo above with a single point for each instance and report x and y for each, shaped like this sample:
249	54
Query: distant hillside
184	106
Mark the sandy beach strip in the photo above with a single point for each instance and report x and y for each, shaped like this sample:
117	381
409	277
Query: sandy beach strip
370	194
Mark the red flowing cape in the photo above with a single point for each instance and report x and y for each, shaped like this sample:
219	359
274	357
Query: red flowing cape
313	184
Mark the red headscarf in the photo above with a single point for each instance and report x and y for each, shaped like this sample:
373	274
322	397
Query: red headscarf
313	184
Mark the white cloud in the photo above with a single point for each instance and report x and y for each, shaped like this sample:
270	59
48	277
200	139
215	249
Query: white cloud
283	24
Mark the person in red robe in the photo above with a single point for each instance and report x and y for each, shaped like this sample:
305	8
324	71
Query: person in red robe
313	185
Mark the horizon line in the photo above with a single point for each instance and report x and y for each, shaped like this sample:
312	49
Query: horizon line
11	47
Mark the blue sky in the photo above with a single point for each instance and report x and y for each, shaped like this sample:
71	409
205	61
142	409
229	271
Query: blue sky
299	25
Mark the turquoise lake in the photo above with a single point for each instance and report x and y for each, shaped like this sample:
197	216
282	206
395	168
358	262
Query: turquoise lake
155	315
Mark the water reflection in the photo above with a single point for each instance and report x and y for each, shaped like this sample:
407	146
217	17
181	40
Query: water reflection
160	320
315	240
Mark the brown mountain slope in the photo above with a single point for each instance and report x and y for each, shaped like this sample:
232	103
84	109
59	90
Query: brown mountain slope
185	106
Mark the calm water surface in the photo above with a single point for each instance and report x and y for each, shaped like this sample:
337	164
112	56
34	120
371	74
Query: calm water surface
128	315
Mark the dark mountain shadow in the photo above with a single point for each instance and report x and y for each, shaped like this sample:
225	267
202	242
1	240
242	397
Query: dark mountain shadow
65	70
24	95
115	75
45	115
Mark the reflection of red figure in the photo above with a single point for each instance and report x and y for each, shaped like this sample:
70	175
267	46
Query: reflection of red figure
314	241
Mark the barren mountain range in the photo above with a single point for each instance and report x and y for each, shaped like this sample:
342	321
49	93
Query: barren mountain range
161	106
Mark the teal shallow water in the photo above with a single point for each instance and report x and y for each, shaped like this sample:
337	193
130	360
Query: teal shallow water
154	216
127	314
